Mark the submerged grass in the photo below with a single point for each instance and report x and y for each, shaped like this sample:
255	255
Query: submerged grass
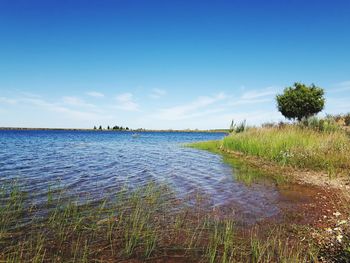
145	224
212	146
242	171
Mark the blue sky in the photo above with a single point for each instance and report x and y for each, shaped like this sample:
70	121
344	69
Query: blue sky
166	64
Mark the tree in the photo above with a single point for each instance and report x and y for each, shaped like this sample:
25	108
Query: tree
108	127
94	127
300	101
100	128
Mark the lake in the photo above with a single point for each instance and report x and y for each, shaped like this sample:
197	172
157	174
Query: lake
101	163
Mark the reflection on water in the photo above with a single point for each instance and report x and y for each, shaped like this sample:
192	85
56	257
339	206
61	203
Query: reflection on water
100	163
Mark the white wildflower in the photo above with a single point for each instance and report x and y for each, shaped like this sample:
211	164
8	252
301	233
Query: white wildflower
336	214
339	238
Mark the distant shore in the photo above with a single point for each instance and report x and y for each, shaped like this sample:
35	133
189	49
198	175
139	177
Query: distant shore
111	130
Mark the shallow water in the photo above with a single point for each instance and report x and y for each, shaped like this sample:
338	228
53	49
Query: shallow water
100	163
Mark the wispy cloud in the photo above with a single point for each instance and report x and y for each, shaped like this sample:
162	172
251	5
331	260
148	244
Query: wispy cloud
195	108
341	86
241	102
252	117
255	94
8	100
76	102
337	105
126	102
255	97
157	93
95	94
56	107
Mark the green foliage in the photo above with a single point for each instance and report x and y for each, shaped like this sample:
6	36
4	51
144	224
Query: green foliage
300	101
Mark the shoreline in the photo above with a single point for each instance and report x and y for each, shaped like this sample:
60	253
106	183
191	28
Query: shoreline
321	212
110	130
302	176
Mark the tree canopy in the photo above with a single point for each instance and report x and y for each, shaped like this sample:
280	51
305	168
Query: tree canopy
300	101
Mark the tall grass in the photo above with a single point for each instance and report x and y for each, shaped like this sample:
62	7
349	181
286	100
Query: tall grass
296	146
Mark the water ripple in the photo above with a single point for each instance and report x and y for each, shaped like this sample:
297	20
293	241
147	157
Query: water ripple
100	163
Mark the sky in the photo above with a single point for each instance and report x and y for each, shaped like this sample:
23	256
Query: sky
167	64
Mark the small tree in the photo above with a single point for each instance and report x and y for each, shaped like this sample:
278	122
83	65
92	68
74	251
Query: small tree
108	127
100	128
95	128
300	101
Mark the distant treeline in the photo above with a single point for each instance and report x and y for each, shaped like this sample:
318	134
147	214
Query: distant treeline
116	127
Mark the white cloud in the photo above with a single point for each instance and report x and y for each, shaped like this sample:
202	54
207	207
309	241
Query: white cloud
192	109
341	86
76	102
252	117
8	100
126	102
82	115
157	93
254	94
344	83
95	94
31	95
240	102
337	105
255	97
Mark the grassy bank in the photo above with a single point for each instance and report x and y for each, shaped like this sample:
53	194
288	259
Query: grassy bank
280	149
146	224
290	145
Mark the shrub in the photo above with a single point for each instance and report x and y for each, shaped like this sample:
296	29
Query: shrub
238	127
327	124
268	125
347	119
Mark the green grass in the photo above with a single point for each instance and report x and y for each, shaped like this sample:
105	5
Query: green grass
295	146
142	224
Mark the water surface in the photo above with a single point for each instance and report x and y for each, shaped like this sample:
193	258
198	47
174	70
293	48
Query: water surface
100	163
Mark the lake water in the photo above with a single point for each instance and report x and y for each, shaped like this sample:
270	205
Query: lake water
100	163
